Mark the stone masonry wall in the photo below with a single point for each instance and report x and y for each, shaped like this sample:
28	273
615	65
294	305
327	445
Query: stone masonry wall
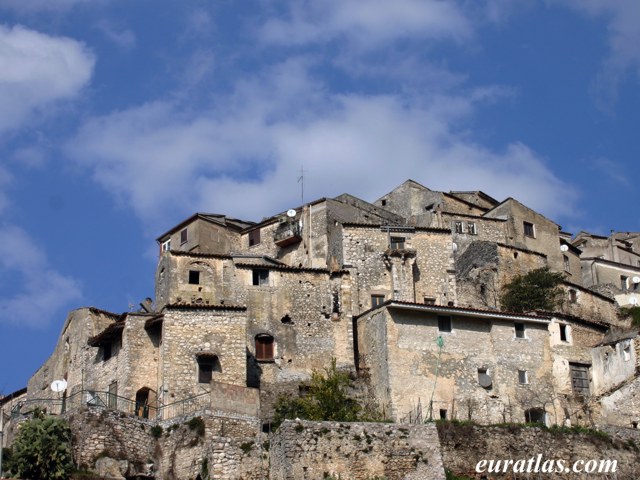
302	450
463	446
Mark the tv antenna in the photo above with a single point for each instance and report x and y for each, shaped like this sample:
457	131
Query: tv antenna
301	182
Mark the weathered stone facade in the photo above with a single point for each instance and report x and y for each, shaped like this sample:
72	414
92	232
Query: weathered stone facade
246	311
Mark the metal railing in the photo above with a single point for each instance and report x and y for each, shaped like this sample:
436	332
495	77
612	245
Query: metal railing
184	407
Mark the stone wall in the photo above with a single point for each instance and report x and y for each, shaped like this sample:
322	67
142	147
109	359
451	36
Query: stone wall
463	446
302	450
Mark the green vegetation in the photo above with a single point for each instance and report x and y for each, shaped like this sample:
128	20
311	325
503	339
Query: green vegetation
327	399
634	313
537	290
42	449
156	431
197	424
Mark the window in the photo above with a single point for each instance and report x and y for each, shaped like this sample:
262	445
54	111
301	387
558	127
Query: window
624	282
194	277
429	301
579	378
376	300
112	399
564	337
443	414
472	228
397	243
264	348
520	330
535	415
384	202
254	237
567	265
166	245
573	295
207	364
444	323
523	377
529	229
458	227
183	236
260	277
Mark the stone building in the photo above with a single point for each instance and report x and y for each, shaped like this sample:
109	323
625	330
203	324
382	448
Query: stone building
251	309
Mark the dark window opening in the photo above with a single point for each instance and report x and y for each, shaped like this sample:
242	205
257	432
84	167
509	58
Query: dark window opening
264	348
563	333
429	301
286	320
183	236
472	228
107	351
194	277
535	415
376	300
384	203
444	323
515	254
483	289
459	227
624	282
529	229
443	414
254	237
261	277
520	330
207	364
335	302
579	378
523	377
397	243
573	296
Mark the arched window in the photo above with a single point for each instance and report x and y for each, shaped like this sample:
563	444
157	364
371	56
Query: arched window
265	347
207	364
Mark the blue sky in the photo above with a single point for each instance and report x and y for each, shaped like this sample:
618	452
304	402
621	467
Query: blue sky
119	118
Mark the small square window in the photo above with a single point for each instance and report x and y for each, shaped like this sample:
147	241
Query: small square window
624	282
564	333
529	229
397	243
444	323
523	377
443	414
376	300
384	202
520	330
472	229
264	348
184	237
261	277
254	237
458	227
194	277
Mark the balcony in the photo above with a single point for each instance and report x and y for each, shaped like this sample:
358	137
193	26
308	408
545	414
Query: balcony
287	233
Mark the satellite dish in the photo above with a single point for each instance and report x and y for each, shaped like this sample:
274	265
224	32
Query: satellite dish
291	213
633	300
484	380
454	246
59	386
635	279
564	248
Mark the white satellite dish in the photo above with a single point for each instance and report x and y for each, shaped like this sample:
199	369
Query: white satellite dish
484	380
635	279
564	248
633	300
291	213
59	386
454	246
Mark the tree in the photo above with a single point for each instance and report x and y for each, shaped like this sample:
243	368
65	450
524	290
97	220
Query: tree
537	290
42	449
327	399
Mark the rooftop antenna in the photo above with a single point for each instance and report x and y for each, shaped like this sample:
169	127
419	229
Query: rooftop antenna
301	182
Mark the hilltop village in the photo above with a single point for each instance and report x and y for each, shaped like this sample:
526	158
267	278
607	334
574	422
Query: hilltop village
404	293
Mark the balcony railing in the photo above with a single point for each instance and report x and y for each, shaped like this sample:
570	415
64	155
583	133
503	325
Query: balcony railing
287	234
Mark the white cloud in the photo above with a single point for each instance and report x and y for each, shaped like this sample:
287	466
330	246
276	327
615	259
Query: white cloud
623	17
122	37
242	157
368	22
37	70
42	292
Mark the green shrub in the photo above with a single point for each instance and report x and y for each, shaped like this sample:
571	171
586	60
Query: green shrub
156	431
197	424
536	290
